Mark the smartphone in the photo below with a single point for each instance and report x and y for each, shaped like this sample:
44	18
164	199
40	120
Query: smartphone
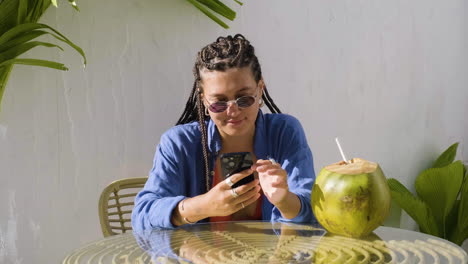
236	162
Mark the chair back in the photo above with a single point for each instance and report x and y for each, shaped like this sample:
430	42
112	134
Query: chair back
116	205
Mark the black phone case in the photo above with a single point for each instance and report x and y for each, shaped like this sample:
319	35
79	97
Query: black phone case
235	162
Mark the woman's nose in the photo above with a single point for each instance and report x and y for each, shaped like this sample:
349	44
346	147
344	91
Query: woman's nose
232	108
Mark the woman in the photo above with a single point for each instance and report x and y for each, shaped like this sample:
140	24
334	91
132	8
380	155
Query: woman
223	115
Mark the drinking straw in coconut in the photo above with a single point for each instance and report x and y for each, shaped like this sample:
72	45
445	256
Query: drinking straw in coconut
341	150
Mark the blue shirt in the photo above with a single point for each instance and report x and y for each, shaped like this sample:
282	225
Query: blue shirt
178	169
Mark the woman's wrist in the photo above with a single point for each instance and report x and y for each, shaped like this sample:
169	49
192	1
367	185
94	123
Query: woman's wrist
290	206
189	211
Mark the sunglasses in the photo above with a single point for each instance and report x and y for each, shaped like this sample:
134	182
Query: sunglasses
241	102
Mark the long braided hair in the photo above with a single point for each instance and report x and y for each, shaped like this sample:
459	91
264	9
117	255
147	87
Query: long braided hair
225	53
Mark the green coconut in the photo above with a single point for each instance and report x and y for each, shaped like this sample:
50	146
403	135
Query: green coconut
351	199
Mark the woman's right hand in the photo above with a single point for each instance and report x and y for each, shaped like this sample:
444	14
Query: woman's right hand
222	200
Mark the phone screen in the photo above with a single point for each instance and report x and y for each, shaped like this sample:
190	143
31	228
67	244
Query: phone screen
236	162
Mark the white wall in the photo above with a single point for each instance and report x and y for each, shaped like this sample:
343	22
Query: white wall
388	77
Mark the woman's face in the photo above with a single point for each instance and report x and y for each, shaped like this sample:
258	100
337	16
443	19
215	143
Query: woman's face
226	86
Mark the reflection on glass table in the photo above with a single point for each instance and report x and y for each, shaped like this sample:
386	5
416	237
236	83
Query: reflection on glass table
265	242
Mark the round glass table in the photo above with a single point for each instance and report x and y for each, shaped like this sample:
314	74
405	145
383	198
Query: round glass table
266	242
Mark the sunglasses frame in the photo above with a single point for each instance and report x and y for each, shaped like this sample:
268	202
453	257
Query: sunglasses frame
232	101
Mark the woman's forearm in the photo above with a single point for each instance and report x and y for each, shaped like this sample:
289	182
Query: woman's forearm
190	210
290	206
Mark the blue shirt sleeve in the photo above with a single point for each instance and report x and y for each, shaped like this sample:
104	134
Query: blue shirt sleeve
163	190
296	159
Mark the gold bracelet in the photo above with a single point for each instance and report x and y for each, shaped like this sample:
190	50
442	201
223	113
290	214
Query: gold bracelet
183	209
187	221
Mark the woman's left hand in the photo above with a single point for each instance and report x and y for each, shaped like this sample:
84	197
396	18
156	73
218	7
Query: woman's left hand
273	180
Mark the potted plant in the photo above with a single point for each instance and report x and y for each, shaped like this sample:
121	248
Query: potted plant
440	207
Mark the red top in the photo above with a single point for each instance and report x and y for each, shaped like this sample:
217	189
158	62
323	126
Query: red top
258	209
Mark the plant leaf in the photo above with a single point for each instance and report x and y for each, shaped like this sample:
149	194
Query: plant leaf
23	28
8	14
439	188
239	2
452	218
463	208
22	48
40	6
66	40
4	74
205	11
73	3
18	30
35	62
447	157
73	45
22	11
220	8
414	207
458	235
22	39
54	2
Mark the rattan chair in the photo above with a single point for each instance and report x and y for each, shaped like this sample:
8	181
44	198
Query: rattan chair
116	204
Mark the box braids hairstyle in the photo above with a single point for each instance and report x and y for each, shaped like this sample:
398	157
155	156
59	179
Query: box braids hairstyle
225	53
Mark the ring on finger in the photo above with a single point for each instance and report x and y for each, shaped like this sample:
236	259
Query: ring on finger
243	206
234	193
229	182
273	161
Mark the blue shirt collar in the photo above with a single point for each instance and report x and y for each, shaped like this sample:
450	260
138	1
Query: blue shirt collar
260	143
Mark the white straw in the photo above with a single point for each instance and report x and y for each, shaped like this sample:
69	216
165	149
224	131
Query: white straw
341	150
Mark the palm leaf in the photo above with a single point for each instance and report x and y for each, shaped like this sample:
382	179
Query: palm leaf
18	27
54	3
20	49
35	62
414	207
205	11
17	31
22	39
37	10
74	5
8	14
4	75
215	6
439	188
447	157
22	11
28	27
219	8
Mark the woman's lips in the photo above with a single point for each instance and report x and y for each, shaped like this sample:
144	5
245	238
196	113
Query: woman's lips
234	122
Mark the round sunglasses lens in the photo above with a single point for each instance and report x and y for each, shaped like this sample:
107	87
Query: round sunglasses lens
218	107
245	101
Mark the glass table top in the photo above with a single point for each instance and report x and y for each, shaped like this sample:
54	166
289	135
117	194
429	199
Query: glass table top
266	242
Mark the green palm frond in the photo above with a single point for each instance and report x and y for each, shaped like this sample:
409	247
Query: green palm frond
31	28
22	11
35	62
15	51
18	29
209	7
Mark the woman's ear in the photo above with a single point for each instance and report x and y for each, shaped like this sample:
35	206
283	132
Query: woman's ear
261	85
